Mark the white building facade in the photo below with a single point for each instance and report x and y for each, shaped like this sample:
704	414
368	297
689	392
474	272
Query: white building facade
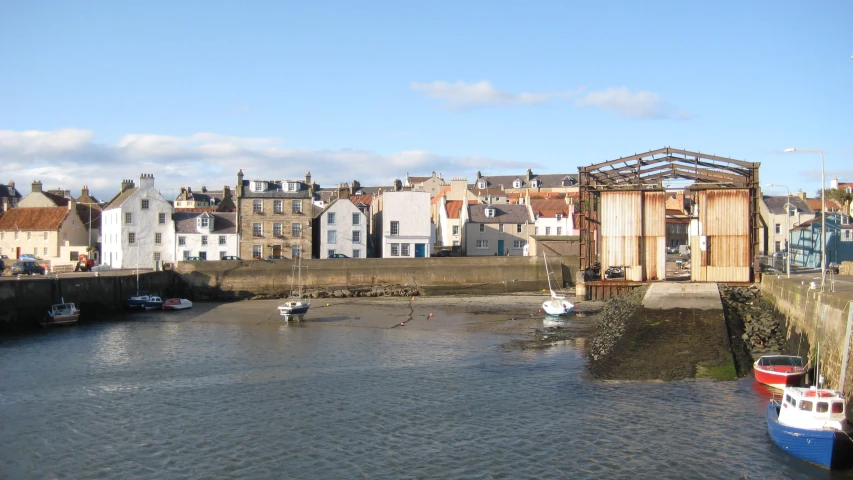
343	230
206	235
137	227
407	230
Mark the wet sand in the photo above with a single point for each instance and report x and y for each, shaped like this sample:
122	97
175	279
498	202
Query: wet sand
513	314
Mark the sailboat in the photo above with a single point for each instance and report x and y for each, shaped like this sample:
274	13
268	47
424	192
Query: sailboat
557	304
295	306
810	423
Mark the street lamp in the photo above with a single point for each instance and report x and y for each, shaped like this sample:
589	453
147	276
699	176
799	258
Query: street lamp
822	213
787	228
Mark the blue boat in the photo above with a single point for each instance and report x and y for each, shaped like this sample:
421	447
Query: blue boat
145	301
811	424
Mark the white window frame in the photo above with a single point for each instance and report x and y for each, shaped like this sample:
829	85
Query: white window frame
330	218
405	250
257	251
223	240
144	204
257	229
482	244
356	236
356	219
158	238
276	206
182	241
296	206
257	206
332	237
482	227
161	218
395	227
276	229
204	240
356	253
128	218
395	249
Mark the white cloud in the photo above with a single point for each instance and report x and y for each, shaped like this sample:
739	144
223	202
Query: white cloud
631	104
465	96
70	159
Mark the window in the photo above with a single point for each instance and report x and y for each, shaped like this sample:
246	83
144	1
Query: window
500	227
482	227
29	235
45	251
455	230
156	256
294	251
792	211
16	235
259	186
481	244
182	241
276	206
256	251
356	219
222	240
516	184
187	254
778	246
330	253
202	255
356	236
547	230
518	243
331	237
490	212
128	217
395	249
257	230
158	238
330	218
518	228
296	229
481	184
161	218
258	206
778	228
559	230
203	222
846	234
131	238
456	243
404	250
276	229
292	186
535	230
296	206
45	236
222	254
204	240
145	203
356	253
395	228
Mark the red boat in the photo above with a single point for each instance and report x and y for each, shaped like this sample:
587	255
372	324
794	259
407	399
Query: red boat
779	371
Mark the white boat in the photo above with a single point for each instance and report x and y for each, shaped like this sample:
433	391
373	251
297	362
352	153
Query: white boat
295	307
61	314
557	304
177	304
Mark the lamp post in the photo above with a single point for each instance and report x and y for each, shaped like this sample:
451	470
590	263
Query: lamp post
822	213
787	228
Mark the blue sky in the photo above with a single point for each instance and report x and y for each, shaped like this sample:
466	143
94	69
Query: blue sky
94	92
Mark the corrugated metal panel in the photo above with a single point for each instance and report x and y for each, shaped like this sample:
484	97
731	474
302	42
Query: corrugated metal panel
621	227
724	216
654	236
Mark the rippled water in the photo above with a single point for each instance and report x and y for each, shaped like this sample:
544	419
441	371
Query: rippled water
143	399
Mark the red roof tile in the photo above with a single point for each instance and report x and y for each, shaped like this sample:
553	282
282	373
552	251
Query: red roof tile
36	218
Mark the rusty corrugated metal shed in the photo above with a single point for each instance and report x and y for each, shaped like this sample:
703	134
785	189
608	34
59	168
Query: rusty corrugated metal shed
654	235
724	223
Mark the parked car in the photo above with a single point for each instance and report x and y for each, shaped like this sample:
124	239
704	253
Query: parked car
104	267
443	253
338	255
671	250
193	259
28	267
230	257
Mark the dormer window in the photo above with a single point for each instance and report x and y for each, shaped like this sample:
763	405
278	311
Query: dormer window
292	186
559	216
481	184
516	184
534	183
203	222
490	212
259	186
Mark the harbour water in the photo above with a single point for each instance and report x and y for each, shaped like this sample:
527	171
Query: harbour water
144	399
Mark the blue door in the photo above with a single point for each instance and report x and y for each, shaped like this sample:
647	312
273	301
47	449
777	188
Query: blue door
500	247
420	250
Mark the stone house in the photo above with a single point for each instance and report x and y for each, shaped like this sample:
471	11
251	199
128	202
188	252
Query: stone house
137	226
433	184
553	217
207	235
274	217
780	215
204	199
498	229
9	197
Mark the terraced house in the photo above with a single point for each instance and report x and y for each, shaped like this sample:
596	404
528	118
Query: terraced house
274	217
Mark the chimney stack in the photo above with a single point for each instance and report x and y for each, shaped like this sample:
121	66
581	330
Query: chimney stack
127	185
240	183
37	186
308	179
146	180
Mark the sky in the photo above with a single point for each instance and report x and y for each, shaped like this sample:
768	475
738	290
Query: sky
93	92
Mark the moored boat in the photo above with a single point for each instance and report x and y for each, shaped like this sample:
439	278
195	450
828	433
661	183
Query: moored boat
811	424
145	301
61	314
779	371
293	306
557	304
177	304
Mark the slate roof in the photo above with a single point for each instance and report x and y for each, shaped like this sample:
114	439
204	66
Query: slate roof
275	190
120	198
549	208
504	213
776	204
224	223
36	218
9	192
83	212
550	180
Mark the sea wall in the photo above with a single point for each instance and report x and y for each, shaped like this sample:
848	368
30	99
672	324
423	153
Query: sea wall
820	317
474	275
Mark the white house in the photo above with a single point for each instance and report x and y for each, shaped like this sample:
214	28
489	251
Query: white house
407	230
207	235
343	230
553	217
137	226
452	216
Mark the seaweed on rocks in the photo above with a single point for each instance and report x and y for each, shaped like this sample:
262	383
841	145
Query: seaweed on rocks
616	312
